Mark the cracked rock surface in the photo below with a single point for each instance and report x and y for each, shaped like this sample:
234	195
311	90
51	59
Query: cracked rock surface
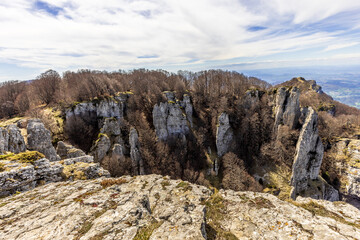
154	206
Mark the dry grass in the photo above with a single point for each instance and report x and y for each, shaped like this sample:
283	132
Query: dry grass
112	181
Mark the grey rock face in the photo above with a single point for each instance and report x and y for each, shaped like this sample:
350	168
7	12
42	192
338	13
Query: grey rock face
224	135
25	176
16	142
169	119
111	127
68	151
106	108
287	107
137	161
349	149
101	147
308	157
171	211
188	108
39	139
252	97
315	87
4	140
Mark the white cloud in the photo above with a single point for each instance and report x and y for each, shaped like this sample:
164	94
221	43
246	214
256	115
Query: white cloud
340	45
113	34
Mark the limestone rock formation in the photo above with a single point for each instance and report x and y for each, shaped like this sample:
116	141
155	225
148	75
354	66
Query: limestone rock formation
137	161
25	176
307	162
170	120
159	208
105	108
186	104
287	107
21	175
252	97
315	87
224	135
101	147
68	151
16	142
39	139
110	135
4	140
349	149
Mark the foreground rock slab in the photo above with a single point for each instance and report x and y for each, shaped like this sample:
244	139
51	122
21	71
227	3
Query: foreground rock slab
158	208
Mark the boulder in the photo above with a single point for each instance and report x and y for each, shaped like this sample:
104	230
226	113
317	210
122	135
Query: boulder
224	135
68	151
16	142
39	139
287	107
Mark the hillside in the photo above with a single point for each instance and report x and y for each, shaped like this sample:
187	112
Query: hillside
155	207
213	128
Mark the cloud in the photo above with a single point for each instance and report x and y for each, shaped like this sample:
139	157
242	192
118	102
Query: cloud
113	34
340	45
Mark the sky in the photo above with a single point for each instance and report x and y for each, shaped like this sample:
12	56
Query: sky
266	38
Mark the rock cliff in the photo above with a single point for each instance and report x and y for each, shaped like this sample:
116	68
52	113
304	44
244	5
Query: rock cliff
171	119
287	107
348	156
137	161
224	135
100	108
307	163
154	207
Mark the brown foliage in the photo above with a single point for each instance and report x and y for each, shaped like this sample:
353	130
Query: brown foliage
235	175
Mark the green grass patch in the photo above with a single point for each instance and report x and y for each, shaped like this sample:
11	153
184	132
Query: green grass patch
24	157
317	209
215	213
144	233
185	186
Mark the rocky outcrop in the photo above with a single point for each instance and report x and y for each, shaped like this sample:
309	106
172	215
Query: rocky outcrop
16	142
19	176
170	120
110	141
348	158
307	162
252	98
137	161
20	173
159	208
186	104
68	151
4	140
287	107
224	135
104	108
39	139
315	87
101	147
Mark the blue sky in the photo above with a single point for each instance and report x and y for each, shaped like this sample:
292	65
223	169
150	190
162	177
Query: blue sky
271	39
